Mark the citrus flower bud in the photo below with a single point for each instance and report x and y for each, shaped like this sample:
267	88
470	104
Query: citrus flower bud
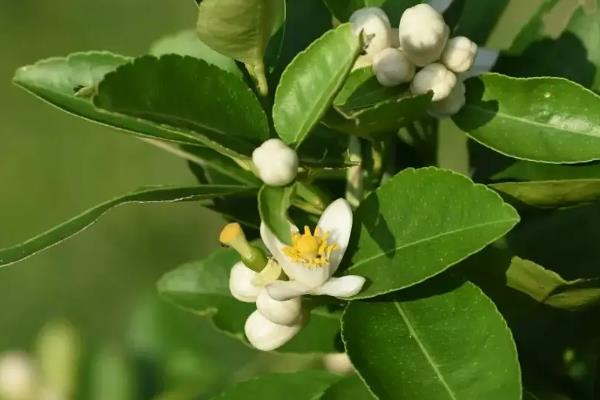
375	25
276	163
435	77
423	34
451	104
392	67
240	283
459	54
266	335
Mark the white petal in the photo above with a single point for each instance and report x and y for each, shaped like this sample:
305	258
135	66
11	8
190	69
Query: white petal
337	220
240	283
346	286
312	277
265	335
280	312
285	290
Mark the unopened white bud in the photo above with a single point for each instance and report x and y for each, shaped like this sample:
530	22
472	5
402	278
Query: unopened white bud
266	335
375	25
434	77
451	104
276	163
422	34
338	363
392	67
459	54
240	283
280	312
18	379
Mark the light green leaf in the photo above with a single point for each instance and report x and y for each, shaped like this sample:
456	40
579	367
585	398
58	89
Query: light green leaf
343	9
273	205
549	288
80	222
478	19
187	95
311	81
187	43
421	222
202	287
586	27
534	30
449	341
348	388
303	385
538	119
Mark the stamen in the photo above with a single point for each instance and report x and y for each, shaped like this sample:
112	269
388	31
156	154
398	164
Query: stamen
310	250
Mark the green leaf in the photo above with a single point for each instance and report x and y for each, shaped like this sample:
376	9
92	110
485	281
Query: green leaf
273	205
586	27
478	19
343	9
311	81
548	287
241	29
187	43
202	287
187	95
80	222
221	169
348	388
534	29
449	341
421	222
538	119
303	385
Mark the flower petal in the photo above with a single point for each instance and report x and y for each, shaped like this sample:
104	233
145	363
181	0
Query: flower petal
285	312
337	220
345	286
312	277
240	283
266	335
285	290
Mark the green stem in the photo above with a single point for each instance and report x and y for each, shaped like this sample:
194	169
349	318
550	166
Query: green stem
312	195
258	73
354	176
377	156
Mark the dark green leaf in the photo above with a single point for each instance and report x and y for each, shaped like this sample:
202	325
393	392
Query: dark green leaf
444	341
537	119
303	385
273	205
221	169
187	43
419	223
534	30
311	81
479	18
79	223
202	287
187	95
349	388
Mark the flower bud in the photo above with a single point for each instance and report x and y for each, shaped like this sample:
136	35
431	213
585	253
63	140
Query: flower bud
451	104
338	363
279	312
375	25
18	380
253	257
422	34
392	67
434	77
240	283
266	335
276	163
459	54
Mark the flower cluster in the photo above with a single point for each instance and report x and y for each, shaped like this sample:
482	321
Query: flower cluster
418	52
277	284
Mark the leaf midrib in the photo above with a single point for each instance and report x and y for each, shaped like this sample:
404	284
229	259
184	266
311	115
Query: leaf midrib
430	238
428	357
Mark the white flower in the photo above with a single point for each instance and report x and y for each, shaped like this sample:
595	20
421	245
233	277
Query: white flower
451	104
266	335
434	77
459	54
18	380
312	259
276	163
423	34
392	67
375	25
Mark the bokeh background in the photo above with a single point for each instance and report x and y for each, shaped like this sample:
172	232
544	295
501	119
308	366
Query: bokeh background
98	289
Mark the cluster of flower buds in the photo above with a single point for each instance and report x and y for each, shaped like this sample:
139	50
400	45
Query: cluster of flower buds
419	52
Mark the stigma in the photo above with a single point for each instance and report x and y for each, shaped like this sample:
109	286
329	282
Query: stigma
311	250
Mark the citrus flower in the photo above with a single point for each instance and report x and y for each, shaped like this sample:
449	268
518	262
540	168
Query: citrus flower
314	257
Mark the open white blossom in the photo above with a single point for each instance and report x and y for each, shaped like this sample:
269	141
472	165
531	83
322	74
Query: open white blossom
392	67
451	104
423	34
313	258
434	77
459	54
375	25
276	164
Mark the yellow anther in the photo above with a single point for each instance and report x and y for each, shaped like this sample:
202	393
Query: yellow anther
310	250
